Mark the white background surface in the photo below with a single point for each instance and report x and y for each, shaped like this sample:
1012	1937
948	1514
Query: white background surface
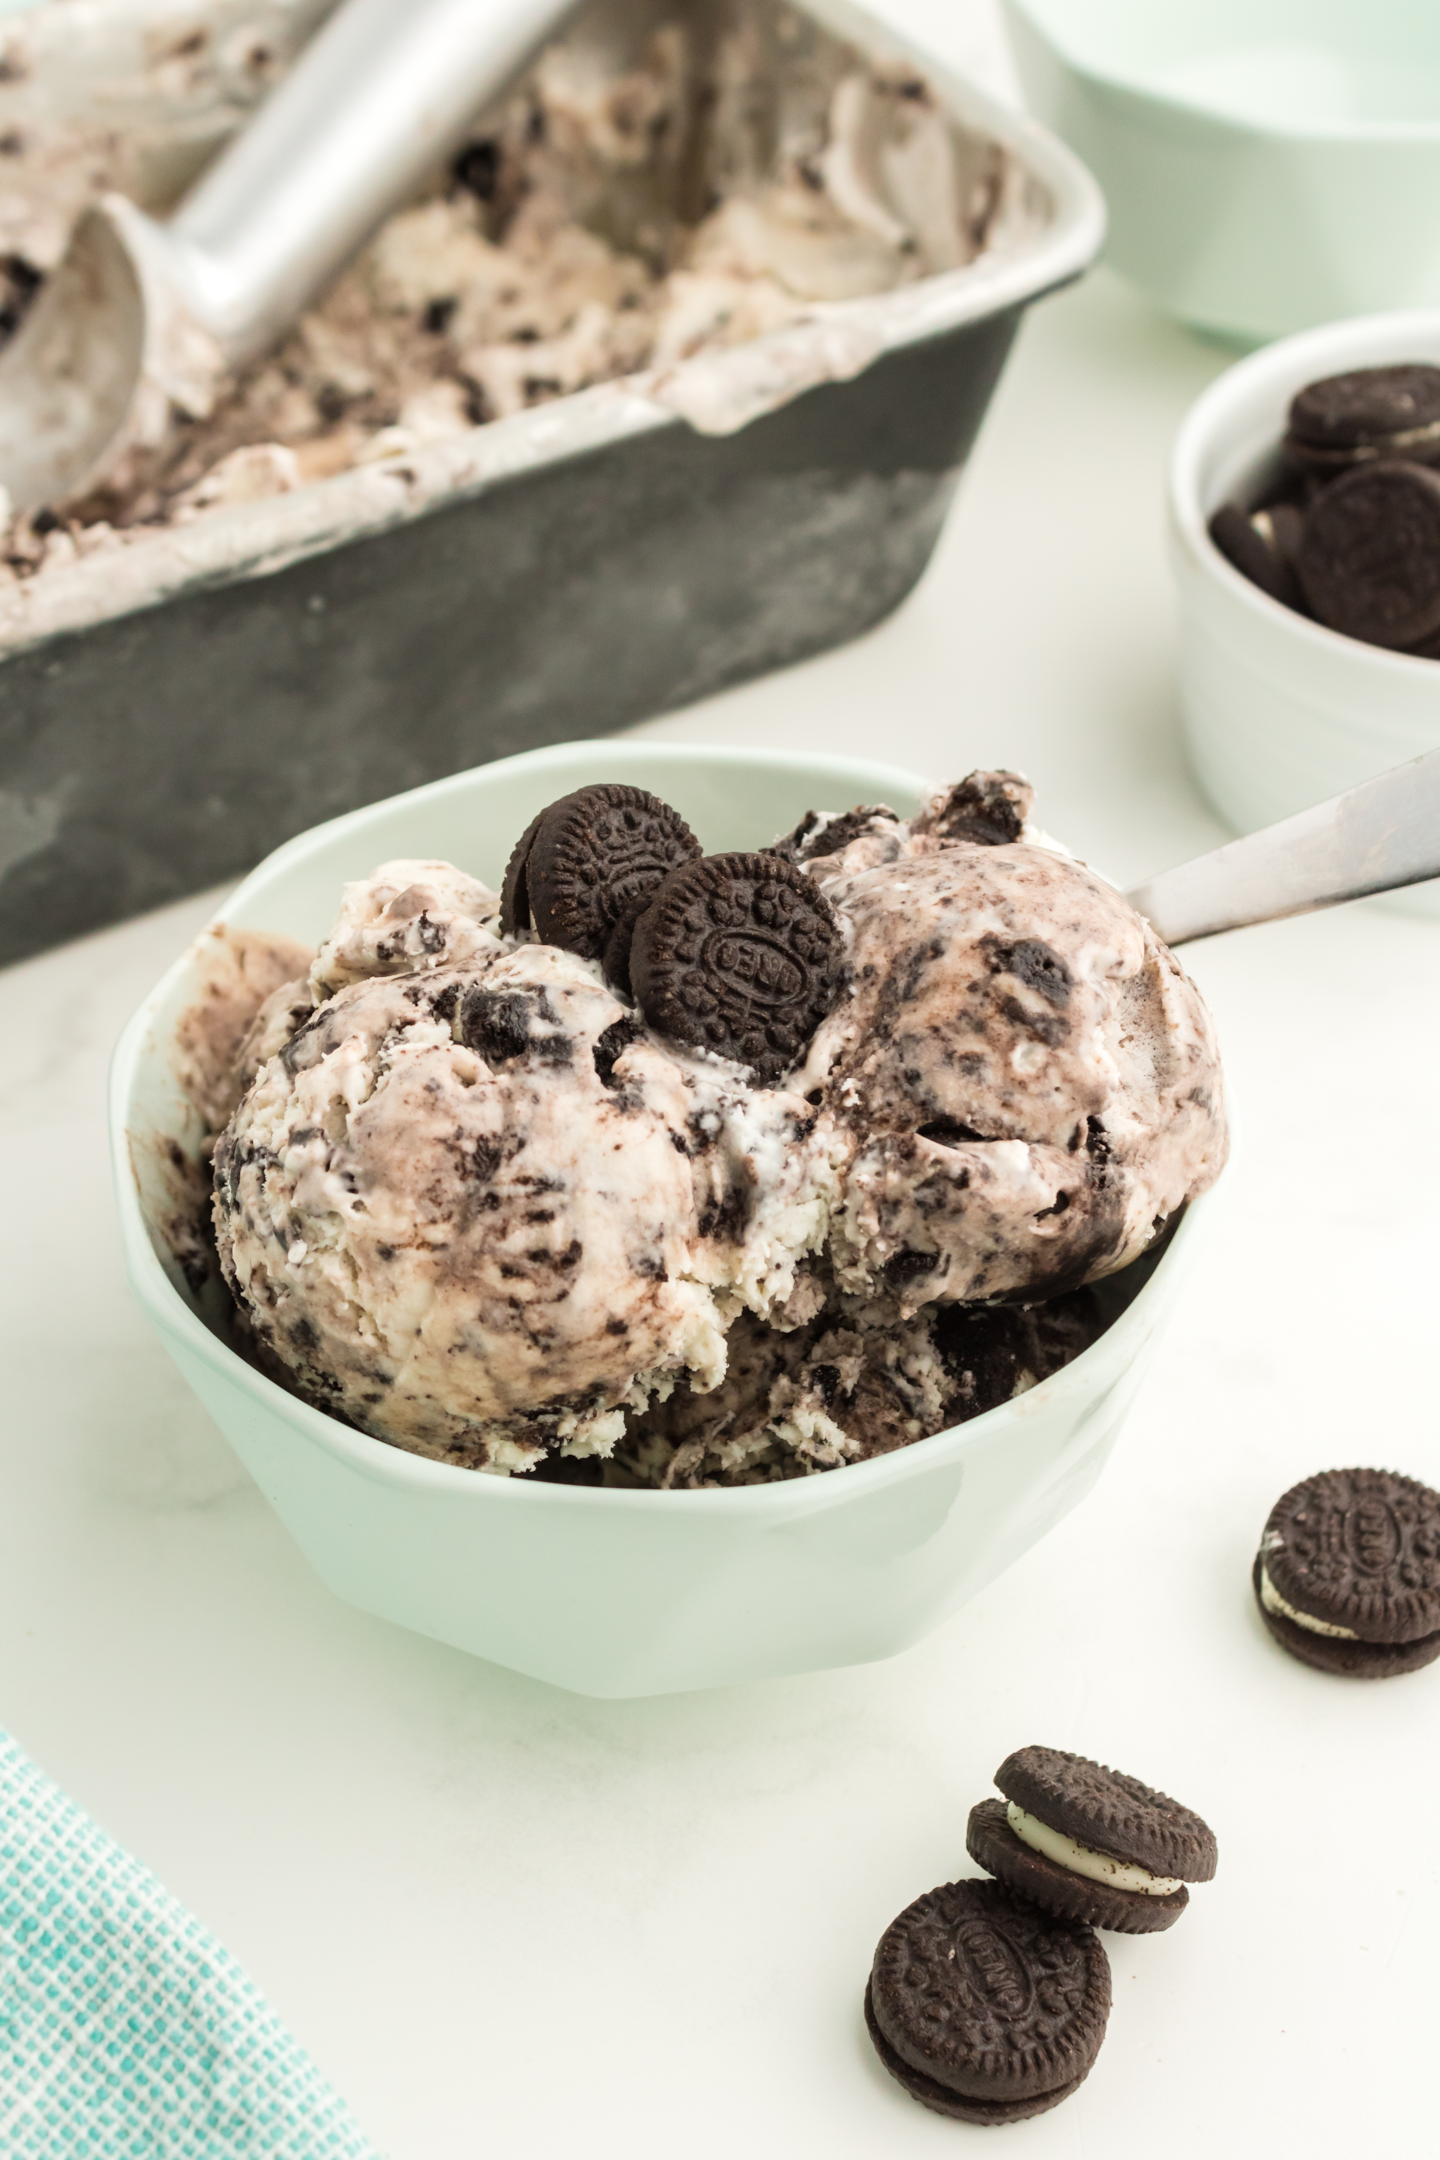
508	1921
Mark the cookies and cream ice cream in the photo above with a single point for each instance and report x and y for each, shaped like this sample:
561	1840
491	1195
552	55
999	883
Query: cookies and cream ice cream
1027	1080
479	1211
858	1380
473	1199
654	188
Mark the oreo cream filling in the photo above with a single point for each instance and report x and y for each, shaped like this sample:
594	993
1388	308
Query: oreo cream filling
1067	1852
1271	1599
1414	438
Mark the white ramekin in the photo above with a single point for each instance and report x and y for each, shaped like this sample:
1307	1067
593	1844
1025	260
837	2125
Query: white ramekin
1280	713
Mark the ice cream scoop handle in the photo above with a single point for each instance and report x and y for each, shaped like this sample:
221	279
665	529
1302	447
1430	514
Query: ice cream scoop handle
1381	834
382	93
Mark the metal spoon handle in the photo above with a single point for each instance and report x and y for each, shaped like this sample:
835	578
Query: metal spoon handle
1381	834
382	92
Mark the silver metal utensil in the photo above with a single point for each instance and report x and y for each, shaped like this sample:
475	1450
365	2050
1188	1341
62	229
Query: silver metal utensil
142	317
1382	834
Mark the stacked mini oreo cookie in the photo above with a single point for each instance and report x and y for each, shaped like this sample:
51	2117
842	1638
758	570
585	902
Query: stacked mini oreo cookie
1090	1843
1348	531
740	955
988	2001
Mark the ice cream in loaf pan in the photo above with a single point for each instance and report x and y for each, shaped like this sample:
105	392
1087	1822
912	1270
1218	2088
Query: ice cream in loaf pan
658	185
471	1199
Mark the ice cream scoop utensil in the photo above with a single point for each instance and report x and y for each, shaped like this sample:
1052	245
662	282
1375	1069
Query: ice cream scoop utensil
1384	833
142	317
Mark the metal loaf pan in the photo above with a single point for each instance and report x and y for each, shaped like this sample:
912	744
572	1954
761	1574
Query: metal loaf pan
171	711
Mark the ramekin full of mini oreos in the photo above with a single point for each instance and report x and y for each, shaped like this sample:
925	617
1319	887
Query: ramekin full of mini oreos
1305	531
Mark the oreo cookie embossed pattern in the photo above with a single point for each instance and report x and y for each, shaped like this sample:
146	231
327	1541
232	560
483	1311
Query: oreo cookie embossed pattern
741	955
1347	1577
985	2008
1349	530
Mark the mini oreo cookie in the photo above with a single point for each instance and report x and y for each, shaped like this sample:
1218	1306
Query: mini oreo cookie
586	867
1347	1577
1090	1843
739	954
994	1845
985	2008
988	2114
1369	562
1369	413
1262	547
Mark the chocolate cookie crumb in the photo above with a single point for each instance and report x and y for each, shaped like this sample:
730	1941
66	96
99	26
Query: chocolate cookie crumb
819	834
987	808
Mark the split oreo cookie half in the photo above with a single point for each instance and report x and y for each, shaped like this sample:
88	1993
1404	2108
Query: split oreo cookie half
1369	562
1347	1577
1090	1843
586	867
740	955
984	2007
1380	412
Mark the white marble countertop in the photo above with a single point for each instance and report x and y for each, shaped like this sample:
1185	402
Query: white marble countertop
507	1920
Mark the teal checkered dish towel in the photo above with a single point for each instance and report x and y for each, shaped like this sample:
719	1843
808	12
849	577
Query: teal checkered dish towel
126	2032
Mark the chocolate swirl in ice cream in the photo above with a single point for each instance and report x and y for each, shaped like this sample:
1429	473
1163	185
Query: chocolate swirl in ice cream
479	1202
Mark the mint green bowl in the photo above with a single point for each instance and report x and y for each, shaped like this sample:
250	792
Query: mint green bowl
614	1593
1267	164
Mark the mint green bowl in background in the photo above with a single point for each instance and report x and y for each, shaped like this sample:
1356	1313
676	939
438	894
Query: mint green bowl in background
1268	164
615	1593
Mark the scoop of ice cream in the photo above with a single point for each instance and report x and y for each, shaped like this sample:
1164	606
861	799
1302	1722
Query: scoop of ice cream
480	1210
407	915
1029	1080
